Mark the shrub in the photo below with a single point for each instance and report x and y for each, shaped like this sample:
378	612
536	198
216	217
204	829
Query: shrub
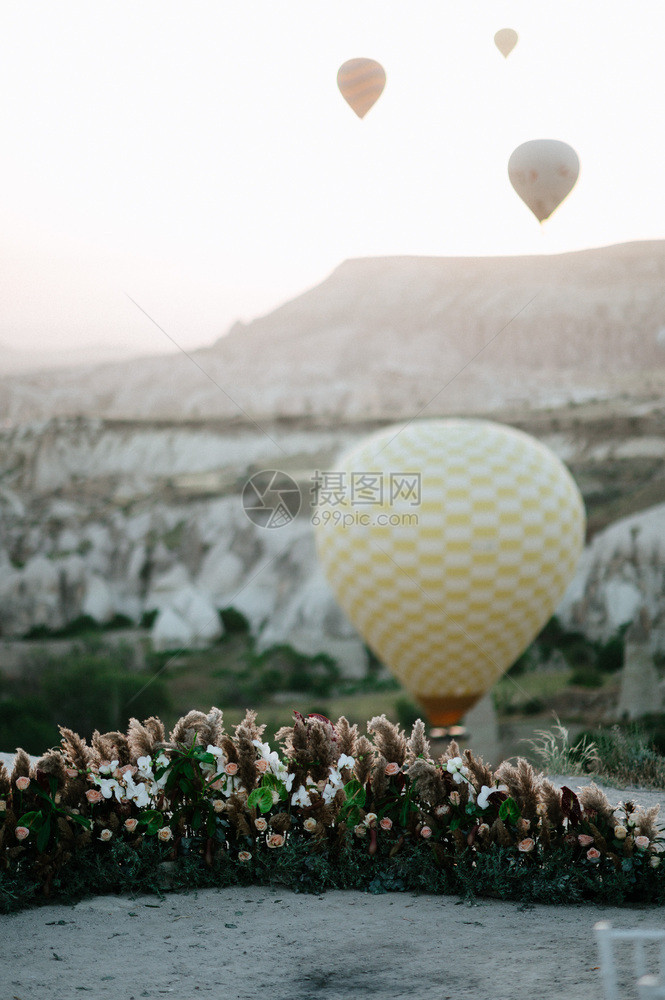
587	676
331	808
91	688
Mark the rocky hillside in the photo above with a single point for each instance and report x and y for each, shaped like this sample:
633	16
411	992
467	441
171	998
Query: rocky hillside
382	337
101	518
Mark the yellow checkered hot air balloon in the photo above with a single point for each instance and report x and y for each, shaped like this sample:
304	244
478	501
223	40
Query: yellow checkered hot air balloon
449	543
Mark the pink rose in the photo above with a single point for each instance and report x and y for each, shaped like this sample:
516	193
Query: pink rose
71	772
128	769
131	824
454	798
218	785
275	840
261	824
526	845
3	806
426	832
585	840
21	832
22	783
386	823
642	843
310	824
360	830
93	795
164	833
231	768
592	854
392	768
244	856
218	805
105	835
262	766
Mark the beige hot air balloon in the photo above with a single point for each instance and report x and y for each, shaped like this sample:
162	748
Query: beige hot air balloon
505	41
543	172
449	547
361	83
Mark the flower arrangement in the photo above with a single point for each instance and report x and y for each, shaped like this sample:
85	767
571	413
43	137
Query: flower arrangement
370	803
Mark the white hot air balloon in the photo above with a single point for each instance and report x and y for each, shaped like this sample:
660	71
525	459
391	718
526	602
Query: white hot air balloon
505	41
543	172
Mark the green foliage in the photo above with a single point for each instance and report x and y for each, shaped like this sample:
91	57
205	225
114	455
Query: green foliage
255	676
552	879
611	654
627	754
79	627
580	653
558	755
407	712
234	621
92	688
587	676
148	618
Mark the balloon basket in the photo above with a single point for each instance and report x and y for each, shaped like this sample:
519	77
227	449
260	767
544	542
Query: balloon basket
447	733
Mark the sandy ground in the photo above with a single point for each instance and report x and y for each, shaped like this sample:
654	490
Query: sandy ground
239	944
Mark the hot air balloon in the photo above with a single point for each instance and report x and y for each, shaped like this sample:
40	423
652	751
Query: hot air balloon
361	83
449	548
505	41
543	172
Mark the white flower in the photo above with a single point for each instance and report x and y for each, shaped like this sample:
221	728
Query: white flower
162	760
138	794
220	759
144	765
335	783
108	767
458	769
109	787
301	797
345	761
485	792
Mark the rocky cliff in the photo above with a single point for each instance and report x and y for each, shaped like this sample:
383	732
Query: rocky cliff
383	337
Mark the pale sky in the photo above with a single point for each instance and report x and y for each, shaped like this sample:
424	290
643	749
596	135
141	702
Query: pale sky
199	157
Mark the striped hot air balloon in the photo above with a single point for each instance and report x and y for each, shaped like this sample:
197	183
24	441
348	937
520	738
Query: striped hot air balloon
361	83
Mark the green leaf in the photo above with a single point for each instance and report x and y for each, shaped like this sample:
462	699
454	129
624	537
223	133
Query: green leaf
454	823
272	781
43	835
81	820
355	793
196	819
27	819
509	810
150	816
261	797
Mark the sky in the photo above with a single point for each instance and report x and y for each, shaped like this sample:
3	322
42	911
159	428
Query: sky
198	156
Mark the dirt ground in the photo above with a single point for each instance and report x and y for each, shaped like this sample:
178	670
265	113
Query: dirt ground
239	944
